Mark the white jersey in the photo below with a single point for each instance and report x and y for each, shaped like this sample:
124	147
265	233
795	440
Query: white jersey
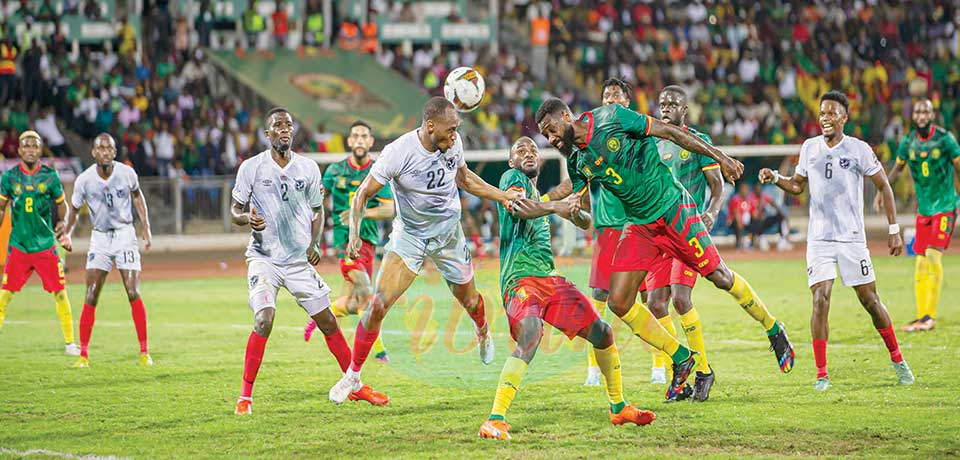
424	185
285	198
835	177
108	199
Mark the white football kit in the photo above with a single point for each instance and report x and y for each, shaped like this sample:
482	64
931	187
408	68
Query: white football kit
835	235
425	190
113	240
277	256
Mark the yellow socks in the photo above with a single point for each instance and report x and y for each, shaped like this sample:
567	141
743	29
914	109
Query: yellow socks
609	361
378	346
509	383
921	285
646	326
660	358
5	297
690	322
339	307
747	298
934	280
63	312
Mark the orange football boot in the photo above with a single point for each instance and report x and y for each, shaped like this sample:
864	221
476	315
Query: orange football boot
632	415
495	429
368	394
244	407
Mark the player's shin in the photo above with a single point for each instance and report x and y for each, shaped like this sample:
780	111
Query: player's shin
820	356
608	359
890	340
337	345
65	314
362	343
5	297
934	280
744	294
921	285
648	328
690	322
139	313
479	315
251	363
510	377
87	318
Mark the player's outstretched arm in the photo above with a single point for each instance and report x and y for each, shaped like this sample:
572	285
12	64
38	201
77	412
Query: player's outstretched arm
369	188
468	181
894	242
561	191
239	217
715	182
528	209
140	204
731	168
66	239
794	185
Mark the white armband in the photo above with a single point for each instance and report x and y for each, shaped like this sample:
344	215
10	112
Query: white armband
894	229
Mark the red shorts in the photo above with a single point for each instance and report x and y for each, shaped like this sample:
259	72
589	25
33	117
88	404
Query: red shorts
682	237
554	300
604	246
668	271
364	262
934	231
20	265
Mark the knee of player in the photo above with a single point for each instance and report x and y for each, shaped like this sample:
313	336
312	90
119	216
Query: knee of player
600	295
821	300
601	334
870	301
682	303
133	293
722	278
263	321
378	306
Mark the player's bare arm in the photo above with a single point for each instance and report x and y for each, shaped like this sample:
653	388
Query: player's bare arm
894	241
468	181
66	239
369	188
528	209
140	204
715	182
242	218
793	185
384	211
731	168
316	234
561	191
892	177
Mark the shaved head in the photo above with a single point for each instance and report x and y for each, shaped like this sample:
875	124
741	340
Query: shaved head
105	140
923	114
104	151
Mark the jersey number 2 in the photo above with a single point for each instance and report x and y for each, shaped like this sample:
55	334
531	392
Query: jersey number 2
283	192
435	176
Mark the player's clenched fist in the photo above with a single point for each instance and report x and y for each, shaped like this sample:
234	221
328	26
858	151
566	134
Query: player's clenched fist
767	176
256	222
732	169
510	196
353	247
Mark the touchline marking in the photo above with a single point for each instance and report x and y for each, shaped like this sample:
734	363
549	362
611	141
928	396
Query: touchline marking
51	453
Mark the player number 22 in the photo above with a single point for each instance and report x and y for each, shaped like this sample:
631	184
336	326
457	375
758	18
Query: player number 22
435	179
695	243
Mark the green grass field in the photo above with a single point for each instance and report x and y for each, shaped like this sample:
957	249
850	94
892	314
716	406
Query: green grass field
183	405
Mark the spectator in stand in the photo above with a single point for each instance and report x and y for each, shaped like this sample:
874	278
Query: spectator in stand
768	217
281	25
743	210
46	126
164	145
11	144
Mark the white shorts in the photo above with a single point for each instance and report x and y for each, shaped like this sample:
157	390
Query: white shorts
853	259
301	281
116	247
448	252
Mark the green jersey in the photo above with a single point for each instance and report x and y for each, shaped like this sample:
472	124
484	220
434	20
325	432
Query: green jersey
607	210
341	180
620	154
524	243
31	196
688	167
930	161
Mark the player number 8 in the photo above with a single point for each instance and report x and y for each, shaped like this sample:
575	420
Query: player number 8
864	268
925	169
28	205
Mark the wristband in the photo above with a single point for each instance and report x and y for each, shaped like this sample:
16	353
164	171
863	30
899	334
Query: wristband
545	197
776	176
894	229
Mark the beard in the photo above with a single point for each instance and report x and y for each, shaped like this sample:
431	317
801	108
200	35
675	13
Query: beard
567	138
280	146
360	153
531	172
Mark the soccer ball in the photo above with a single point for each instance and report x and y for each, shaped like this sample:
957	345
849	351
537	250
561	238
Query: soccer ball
464	88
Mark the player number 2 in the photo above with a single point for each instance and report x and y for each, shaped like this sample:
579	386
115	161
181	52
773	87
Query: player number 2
925	169
28	204
435	179
828	170
864	268
283	192
695	243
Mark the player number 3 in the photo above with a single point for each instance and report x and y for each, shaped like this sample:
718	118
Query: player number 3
695	243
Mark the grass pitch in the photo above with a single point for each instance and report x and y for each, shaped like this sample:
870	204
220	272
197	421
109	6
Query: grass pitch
183	405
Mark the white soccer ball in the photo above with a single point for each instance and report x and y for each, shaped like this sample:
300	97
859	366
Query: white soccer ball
464	88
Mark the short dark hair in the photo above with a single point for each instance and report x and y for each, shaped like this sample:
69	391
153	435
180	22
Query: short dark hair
674	89
614	81
359	123
837	96
437	106
277	110
550	107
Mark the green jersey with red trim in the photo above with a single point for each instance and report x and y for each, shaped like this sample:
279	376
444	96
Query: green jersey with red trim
607	210
524	243
621	155
31	195
930	159
688	167
341	180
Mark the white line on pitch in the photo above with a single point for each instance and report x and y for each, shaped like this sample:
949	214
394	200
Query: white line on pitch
51	453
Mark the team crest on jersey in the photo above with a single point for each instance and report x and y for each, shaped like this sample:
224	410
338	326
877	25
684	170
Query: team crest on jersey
587	172
450	163
613	144
17	189
522	294
684	155
121	193
844	163
299	184
341	182
913	154
42	187
935	154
